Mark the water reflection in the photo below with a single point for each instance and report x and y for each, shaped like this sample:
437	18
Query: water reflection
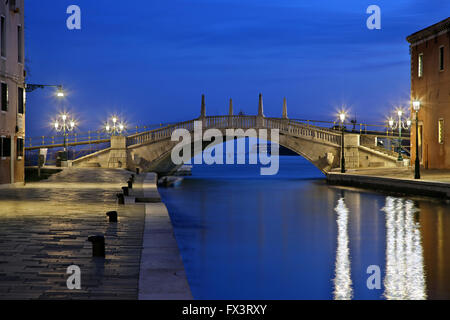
342	282
404	278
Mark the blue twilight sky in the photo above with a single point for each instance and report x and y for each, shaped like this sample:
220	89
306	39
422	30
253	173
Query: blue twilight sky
151	60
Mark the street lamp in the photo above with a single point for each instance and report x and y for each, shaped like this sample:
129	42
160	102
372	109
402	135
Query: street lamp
416	107
59	93
342	116
116	128
64	125
394	124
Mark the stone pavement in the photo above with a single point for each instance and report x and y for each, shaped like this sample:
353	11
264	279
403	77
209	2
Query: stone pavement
43	230
433	175
433	183
162	275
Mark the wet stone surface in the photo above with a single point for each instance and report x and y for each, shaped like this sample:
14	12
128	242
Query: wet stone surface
44	229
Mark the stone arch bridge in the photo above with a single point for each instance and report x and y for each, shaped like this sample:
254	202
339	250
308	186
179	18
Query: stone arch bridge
151	150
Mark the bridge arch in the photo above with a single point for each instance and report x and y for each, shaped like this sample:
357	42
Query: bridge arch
319	146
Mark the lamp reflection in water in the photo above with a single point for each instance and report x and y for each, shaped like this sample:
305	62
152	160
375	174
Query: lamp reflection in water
405	279
342	282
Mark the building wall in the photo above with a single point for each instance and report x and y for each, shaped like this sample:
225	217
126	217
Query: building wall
433	90
12	124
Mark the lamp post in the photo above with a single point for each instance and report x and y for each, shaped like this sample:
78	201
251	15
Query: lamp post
342	116
116	128
416	107
399	124
64	125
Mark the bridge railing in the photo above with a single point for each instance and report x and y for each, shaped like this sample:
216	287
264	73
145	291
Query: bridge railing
159	134
222	122
81	138
353	127
302	130
72	139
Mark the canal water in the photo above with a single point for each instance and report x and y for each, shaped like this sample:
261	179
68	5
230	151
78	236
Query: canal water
291	236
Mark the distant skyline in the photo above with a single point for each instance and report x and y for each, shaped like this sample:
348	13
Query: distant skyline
150	61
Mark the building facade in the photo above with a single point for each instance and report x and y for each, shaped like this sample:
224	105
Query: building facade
430	84
12	92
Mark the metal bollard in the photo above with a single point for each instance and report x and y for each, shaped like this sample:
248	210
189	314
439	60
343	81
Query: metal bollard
125	191
130	184
120	198
132	177
98	245
112	216
137	171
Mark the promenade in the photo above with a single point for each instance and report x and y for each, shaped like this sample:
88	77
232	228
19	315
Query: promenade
433	183
44	228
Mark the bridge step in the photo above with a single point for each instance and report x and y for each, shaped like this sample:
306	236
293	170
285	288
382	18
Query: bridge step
91	165
376	164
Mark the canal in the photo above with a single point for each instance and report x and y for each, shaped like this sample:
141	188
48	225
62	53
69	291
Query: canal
291	236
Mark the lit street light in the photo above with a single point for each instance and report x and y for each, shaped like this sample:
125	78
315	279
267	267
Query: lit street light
342	116
394	124
64	125
116	128
59	93
416	107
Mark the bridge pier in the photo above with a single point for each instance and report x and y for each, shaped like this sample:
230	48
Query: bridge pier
351	150
118	154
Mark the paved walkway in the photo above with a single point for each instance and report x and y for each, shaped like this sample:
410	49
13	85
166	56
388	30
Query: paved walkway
43	230
405	173
162	275
433	183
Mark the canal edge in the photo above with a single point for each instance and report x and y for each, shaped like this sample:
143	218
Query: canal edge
162	275
395	185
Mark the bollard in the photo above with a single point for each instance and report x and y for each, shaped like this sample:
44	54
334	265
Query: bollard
112	216
125	191
130	184
120	198
137	171
98	245
132	177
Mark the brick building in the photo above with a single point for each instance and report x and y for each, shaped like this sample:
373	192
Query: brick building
12	92
430	84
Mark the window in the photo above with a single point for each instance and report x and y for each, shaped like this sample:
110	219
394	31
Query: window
4	96
3	37
420	71
19	147
21	101
441	131
441	58
19	44
5	147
